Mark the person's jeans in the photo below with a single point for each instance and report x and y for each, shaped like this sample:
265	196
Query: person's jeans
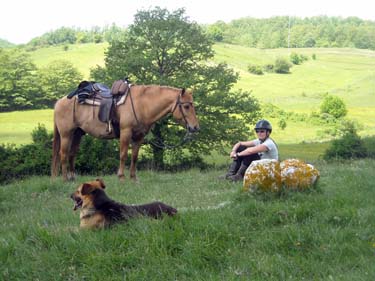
246	160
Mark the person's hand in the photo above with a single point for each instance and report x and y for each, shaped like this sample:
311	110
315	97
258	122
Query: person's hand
233	154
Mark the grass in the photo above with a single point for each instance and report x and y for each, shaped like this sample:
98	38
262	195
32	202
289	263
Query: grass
220	233
347	73
82	56
16	126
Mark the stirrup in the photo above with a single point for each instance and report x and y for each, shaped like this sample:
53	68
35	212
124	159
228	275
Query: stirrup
109	128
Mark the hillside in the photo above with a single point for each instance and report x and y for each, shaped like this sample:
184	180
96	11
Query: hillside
82	56
5	43
348	73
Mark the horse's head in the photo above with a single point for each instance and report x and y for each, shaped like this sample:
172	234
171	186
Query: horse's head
184	111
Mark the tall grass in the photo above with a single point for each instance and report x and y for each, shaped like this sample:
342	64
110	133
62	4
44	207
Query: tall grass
219	233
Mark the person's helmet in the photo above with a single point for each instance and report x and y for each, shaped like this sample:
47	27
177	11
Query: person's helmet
263	124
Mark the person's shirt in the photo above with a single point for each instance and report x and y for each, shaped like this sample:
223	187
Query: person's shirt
271	153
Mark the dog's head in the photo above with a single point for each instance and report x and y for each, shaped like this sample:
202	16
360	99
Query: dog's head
84	195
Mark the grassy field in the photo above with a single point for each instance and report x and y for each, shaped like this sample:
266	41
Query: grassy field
347	73
82	56
219	233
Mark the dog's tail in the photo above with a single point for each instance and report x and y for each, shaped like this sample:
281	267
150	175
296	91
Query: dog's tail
55	165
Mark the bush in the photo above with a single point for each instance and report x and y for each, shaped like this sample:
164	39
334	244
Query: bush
269	68
255	69
282	66
295	58
348	147
369	143
27	160
334	106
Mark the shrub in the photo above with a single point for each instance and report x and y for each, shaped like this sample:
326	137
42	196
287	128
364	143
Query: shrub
269	67
255	69
348	147
30	159
369	143
334	106
295	58
282	66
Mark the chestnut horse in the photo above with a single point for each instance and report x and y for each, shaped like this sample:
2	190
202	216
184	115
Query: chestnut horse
144	105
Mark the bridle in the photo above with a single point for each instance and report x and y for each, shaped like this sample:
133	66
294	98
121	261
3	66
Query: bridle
188	135
179	103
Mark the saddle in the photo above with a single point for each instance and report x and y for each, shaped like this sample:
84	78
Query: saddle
98	94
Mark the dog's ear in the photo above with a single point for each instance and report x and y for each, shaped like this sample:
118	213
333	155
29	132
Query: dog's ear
102	185
86	189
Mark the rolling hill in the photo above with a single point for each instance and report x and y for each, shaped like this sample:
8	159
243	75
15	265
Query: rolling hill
347	73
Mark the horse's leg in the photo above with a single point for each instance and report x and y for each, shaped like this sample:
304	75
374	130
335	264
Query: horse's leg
77	135
135	150
64	154
125	136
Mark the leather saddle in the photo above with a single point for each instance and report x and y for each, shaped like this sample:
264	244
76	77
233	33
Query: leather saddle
98	94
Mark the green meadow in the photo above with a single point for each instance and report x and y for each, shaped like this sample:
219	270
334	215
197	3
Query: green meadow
219	233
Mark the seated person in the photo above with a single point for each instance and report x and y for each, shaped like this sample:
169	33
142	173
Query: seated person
245	152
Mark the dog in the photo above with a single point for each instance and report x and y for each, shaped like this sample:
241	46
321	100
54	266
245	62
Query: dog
98	211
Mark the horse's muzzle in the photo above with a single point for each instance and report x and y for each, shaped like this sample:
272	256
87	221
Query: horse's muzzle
193	129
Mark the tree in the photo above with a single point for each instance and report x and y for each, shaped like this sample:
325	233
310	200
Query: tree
57	79
165	48
17	80
334	106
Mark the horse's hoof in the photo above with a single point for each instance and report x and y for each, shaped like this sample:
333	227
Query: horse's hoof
135	179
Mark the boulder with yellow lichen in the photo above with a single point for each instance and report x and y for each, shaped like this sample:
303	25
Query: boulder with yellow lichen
271	175
296	174
263	175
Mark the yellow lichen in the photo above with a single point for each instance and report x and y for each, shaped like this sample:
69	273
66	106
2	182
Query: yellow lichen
270	175
263	175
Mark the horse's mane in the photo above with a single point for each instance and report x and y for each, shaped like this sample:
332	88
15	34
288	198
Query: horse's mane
163	87
148	88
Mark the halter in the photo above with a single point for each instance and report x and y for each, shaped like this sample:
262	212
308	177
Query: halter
180	104
188	136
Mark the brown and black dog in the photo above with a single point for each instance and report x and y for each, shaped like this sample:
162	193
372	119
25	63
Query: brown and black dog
99	211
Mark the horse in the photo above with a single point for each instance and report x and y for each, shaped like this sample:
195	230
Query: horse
144	105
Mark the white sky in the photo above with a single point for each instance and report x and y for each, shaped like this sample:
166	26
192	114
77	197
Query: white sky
22	20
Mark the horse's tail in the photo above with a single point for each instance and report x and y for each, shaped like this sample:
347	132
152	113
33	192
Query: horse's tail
55	165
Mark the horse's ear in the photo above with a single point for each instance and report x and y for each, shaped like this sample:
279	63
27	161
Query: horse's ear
183	91
101	182
86	189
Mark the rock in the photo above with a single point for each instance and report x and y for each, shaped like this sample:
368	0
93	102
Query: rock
296	174
263	175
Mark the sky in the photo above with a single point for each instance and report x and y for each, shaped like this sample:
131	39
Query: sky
22	20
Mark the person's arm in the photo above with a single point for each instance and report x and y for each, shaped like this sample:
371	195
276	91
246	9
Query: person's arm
251	150
238	144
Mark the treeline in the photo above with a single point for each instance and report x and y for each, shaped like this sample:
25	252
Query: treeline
68	35
274	32
281	32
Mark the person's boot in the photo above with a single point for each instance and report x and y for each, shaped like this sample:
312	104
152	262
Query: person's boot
240	173
232	170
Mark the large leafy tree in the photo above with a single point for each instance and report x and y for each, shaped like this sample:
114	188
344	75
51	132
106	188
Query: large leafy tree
18	80
57	79
163	47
